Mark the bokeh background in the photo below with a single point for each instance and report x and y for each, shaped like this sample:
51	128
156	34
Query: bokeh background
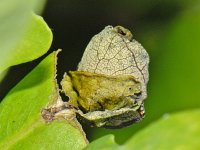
168	29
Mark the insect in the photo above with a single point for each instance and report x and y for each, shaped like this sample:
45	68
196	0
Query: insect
109	87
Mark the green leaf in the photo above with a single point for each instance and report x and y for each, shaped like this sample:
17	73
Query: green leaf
175	69
178	131
21	124
14	17
32	43
105	143
172	132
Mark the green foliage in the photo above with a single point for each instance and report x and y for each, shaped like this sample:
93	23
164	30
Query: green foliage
34	42
170	132
174	85
21	125
104	143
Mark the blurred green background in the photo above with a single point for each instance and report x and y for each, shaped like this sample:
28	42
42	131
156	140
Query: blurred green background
168	29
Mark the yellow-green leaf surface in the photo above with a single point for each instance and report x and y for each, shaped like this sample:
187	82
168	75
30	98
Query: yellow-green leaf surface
179	131
32	43
14	17
21	125
105	143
